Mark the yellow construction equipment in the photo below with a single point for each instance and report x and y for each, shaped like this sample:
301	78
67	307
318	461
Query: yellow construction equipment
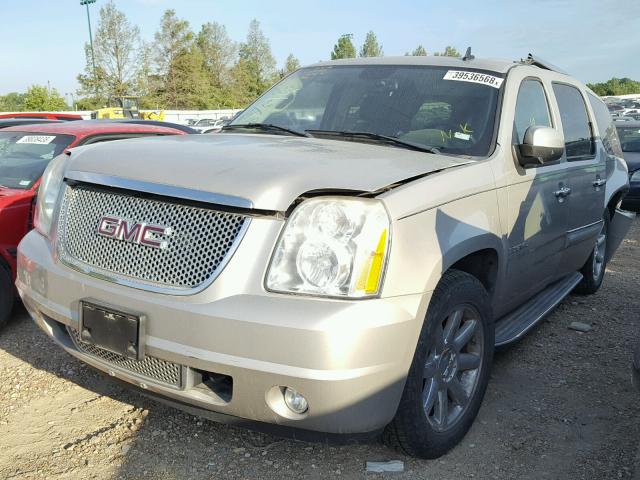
126	107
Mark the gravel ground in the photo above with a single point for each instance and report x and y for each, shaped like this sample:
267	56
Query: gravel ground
560	405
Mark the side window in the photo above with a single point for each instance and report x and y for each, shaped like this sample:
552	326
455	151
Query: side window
578	139
531	109
607	129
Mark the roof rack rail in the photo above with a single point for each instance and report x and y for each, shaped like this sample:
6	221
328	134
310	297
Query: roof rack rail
539	62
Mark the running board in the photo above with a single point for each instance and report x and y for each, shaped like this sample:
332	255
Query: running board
513	326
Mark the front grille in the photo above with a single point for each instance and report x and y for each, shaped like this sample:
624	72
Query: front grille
151	368
200	242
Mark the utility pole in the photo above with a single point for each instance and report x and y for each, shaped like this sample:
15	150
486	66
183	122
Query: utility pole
93	57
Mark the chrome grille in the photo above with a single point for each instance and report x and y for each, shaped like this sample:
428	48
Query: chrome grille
197	249
151	368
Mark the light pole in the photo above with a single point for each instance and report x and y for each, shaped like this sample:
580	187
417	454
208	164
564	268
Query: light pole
93	58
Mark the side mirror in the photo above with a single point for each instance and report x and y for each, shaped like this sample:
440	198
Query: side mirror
541	145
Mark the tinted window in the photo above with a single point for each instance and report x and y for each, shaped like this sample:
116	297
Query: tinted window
433	106
531	108
575	122
630	138
606	127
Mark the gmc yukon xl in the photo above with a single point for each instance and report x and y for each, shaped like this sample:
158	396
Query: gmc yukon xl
345	256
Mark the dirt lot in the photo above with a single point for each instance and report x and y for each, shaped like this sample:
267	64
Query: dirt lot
560	405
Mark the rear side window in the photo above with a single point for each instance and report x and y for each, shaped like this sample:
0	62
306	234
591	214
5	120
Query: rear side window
607	129
531	108
578	139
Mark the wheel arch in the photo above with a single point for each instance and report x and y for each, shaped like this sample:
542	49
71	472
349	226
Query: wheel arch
480	256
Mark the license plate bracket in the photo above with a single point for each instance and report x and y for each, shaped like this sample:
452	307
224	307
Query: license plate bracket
112	329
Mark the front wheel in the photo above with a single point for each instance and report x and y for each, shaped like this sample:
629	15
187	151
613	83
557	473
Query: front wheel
594	269
450	370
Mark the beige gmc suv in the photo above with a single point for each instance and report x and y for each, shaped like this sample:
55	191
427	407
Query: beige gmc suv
345	256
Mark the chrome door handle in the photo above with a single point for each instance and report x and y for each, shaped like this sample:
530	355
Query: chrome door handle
599	182
563	192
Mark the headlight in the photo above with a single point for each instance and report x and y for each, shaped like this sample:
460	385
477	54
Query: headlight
332	246
635	176
48	193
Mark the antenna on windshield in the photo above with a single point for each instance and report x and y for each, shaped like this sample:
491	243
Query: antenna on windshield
468	56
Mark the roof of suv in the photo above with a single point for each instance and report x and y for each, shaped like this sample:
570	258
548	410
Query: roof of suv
495	65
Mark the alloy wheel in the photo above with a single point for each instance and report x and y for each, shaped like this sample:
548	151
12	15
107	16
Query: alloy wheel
452	368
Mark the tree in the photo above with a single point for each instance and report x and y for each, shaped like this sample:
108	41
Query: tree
192	89
370	47
173	40
344	48
38	98
218	51
615	86
12	102
116	48
419	51
448	52
291	64
258	61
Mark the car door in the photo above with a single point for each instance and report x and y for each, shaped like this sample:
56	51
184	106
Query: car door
537	213
586	175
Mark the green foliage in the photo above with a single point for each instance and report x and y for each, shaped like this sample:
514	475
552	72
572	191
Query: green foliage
344	48
39	99
258	60
448	52
218	51
12	102
615	86
419	51
291	64
116	49
190	84
370	47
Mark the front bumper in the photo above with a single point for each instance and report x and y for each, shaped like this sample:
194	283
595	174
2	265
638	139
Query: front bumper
348	358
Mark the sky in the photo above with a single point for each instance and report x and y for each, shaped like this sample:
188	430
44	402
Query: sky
42	40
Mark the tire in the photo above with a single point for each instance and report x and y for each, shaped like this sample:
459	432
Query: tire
6	296
594	269
420	431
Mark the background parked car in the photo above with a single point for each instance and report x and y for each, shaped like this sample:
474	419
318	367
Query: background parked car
219	125
629	134
204	124
43	115
25	151
13	122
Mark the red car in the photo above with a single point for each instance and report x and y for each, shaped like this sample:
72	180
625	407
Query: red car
25	152
43	115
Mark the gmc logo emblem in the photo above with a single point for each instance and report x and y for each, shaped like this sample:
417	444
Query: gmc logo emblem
134	232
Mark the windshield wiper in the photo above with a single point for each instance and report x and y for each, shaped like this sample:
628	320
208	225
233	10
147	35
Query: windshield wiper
377	137
266	127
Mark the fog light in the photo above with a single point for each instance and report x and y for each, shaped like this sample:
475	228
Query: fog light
295	401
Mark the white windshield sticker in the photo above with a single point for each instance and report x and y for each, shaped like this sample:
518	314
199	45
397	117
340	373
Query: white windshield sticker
462	136
474	77
37	139
24	183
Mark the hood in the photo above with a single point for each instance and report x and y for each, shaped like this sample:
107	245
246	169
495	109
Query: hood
270	171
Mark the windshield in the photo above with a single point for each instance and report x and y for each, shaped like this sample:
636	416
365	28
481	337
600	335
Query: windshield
25	155
629	138
431	106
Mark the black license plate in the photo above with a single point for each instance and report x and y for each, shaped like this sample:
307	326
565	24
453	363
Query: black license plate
116	331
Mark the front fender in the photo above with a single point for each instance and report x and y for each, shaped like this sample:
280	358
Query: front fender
426	244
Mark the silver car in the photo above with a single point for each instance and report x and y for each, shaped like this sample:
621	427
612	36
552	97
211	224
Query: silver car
345	256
